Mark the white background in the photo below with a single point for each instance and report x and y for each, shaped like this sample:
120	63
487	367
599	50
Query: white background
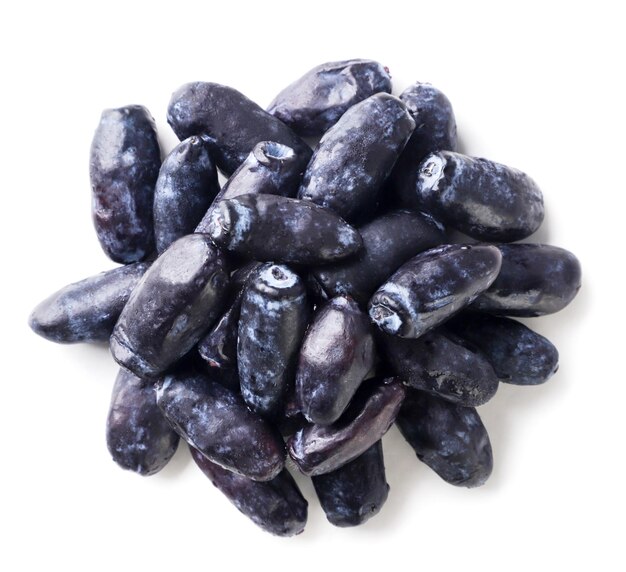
535	85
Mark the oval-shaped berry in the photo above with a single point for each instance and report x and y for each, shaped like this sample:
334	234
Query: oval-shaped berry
442	365
86	311
233	123
388	242
433	286
356	492
355	156
336	355
484	199
273	228
277	506
177	300
123	167
217	422
517	354
273	319
139	438
185	189
449	438
315	102
535	280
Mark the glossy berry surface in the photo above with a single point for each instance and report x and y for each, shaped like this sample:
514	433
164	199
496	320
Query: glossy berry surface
319	449
336	355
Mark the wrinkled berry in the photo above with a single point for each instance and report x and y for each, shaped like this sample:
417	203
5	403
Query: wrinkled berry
442	365
233	123
315	102
319	449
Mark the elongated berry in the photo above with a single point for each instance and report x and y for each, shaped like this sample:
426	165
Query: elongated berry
433	286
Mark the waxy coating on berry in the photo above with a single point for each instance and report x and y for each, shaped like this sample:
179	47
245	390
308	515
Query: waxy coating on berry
432	287
124	165
316	101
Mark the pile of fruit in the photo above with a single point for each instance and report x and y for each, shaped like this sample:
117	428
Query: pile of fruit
317	297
